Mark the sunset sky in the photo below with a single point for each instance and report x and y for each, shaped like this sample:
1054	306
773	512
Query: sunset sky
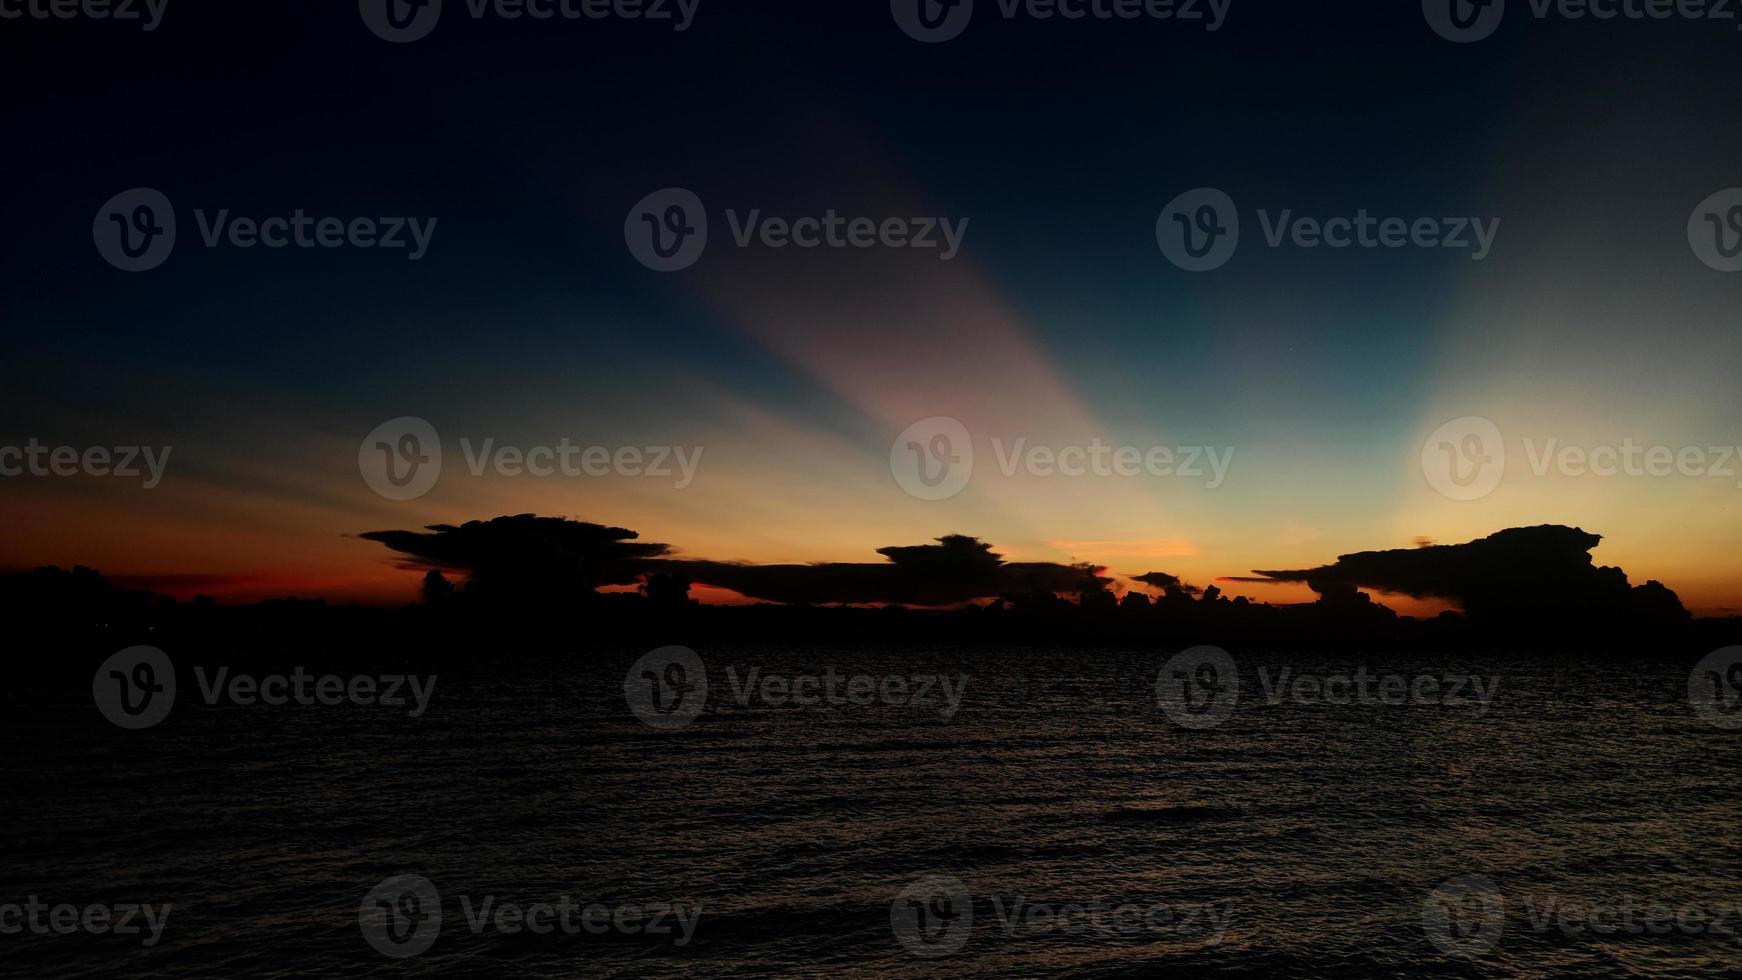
1591	323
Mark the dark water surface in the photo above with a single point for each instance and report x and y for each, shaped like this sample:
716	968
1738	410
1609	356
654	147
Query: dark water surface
1291	840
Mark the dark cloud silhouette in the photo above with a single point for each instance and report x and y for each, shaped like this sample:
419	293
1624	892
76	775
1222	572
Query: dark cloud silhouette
527	556
544	573
1166	582
956	569
1526	577
1533	579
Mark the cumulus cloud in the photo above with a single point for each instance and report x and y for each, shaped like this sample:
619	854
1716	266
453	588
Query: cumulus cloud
525	552
1524	575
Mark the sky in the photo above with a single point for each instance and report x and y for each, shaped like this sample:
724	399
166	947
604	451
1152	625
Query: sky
1589	322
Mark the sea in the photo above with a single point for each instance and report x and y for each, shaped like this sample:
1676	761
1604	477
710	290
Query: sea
879	812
